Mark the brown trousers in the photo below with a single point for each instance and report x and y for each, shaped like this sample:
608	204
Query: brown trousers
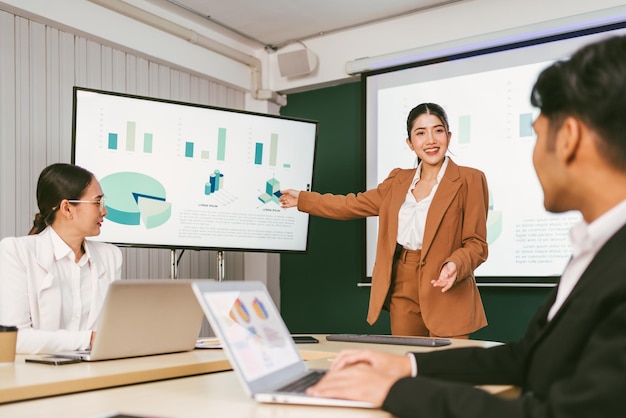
404	299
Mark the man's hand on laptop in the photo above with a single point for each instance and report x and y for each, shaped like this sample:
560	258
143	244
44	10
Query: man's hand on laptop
359	382
362	375
393	364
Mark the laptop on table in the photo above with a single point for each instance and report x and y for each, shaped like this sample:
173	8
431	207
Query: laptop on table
144	317
258	343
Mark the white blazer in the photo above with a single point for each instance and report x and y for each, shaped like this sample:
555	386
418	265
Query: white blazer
30	294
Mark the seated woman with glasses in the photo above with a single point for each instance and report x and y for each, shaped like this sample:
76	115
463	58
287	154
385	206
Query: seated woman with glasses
53	281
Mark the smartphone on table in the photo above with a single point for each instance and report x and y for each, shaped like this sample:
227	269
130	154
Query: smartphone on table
55	361
304	339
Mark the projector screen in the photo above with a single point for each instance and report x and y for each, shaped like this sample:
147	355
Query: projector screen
486	95
181	175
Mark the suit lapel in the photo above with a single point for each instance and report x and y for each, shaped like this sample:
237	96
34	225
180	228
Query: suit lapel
49	294
445	194
396	199
44	251
99	284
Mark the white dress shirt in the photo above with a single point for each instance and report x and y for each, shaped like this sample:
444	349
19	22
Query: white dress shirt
76	288
412	214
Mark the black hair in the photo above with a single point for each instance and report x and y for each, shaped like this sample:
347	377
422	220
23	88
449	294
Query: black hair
57	182
426	109
591	86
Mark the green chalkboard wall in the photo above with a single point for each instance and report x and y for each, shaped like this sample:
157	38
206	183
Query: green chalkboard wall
319	292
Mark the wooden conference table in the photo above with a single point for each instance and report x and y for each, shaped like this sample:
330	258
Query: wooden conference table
198	383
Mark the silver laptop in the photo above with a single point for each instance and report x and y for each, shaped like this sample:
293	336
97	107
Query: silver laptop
144	317
258	343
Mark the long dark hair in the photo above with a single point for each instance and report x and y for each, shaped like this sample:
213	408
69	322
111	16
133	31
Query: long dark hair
57	182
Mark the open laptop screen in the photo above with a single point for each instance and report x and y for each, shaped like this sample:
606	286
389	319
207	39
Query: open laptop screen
258	339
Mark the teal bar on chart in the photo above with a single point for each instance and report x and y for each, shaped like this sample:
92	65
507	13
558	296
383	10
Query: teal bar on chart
258	154
147	143
525	125
189	149
112	141
221	144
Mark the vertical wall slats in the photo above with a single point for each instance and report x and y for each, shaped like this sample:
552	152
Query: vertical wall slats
118	65
24	200
67	80
8	135
53	116
80	61
106	66
93	64
39	65
38	98
143	82
130	74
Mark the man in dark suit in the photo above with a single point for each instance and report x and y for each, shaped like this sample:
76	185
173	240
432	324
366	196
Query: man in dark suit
572	360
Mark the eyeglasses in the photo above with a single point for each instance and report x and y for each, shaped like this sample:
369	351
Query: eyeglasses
99	202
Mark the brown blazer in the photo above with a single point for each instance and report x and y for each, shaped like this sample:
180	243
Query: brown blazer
456	230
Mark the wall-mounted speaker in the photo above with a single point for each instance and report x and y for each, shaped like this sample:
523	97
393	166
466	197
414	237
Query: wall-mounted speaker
295	63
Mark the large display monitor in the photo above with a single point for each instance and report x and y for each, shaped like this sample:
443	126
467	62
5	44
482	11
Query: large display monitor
182	175
486	93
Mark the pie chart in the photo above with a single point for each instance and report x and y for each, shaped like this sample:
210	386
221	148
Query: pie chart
135	198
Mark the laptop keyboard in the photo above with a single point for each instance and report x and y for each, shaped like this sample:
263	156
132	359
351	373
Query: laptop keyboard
300	385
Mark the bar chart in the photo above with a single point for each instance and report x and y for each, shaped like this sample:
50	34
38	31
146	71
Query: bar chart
194	150
130	139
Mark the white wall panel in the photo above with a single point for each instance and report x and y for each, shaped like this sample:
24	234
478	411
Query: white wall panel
8	148
39	65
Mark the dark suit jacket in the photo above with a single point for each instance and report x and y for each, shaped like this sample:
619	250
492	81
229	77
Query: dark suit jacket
456	230
573	366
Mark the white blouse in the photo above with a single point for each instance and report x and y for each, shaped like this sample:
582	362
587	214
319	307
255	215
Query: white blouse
412	215
76	288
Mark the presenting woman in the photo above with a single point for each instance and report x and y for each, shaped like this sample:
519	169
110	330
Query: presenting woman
53	281
431	237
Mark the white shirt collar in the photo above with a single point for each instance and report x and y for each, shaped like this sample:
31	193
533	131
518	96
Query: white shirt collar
418	172
62	250
586	236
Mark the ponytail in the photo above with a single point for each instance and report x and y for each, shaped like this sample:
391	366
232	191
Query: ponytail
39	224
